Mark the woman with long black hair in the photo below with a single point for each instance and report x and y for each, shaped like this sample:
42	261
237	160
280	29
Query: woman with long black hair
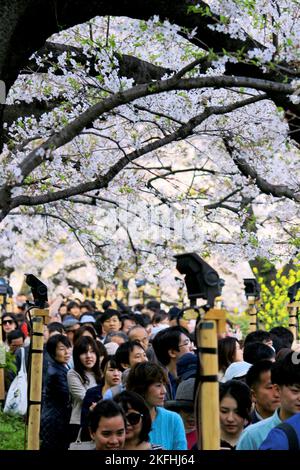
86	374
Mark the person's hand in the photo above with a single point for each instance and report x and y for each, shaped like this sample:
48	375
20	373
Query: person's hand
92	406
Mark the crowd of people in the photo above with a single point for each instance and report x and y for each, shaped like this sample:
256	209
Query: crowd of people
125	378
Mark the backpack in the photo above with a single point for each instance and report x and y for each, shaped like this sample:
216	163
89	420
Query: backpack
291	435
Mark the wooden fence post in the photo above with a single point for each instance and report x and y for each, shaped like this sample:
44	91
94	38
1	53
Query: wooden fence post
36	376
293	309
207	331
252	311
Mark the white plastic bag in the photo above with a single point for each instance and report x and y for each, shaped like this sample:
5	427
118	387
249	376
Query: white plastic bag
16	399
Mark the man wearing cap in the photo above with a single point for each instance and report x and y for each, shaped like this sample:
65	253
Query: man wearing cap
71	324
184	405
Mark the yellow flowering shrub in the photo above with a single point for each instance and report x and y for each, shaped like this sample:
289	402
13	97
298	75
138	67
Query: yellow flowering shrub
274	298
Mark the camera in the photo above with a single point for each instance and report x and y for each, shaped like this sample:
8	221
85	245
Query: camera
38	289
252	288
292	292
201	280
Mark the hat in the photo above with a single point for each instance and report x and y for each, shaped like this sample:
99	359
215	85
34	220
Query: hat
187	366
69	322
87	319
236	370
184	396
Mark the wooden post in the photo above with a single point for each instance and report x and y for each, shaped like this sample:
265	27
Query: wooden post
89	293
141	293
84	293
180	296
293	309
207	331
252	311
2	353
36	375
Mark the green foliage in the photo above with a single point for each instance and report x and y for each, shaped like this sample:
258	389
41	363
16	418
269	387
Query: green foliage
12	432
10	362
274	297
199	9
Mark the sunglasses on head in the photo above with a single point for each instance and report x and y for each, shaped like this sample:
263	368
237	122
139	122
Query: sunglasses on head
133	418
7	322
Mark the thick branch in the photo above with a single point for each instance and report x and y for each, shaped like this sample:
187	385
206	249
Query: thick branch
103	180
35	108
129	66
276	190
35	158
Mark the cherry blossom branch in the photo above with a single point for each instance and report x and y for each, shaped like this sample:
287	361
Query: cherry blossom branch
103	180
276	190
35	158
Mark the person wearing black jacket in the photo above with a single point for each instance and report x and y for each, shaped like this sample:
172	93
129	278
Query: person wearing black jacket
56	405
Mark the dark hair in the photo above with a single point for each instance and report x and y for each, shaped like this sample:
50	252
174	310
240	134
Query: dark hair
127	316
109	313
143	320
144	374
242	395
104	409
282	353
254	352
165	340
253	376
53	342
257	336
153	305
71	305
81	346
106	304
56	326
123	352
137	403
15	334
282	337
286	371
226	352
159	317
138	307
79	332
13	318
87	304
102	349
108	360
173	312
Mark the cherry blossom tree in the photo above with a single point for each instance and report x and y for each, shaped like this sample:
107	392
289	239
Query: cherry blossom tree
135	131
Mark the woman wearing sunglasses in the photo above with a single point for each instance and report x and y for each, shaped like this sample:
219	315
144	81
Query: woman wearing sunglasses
9	323
138	421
